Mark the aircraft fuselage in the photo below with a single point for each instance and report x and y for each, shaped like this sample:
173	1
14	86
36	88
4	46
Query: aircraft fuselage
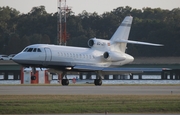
64	56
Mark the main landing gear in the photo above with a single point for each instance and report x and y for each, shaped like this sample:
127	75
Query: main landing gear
98	80
64	81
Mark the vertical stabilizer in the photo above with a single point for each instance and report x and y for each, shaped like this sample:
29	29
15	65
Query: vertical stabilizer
122	33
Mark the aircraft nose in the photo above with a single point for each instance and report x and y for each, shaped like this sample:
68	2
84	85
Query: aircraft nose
16	58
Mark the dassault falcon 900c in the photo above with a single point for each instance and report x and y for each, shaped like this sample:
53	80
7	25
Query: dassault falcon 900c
103	56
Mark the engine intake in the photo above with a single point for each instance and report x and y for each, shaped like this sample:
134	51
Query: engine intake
91	43
99	44
106	55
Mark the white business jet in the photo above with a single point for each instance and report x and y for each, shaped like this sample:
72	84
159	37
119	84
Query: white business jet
103	56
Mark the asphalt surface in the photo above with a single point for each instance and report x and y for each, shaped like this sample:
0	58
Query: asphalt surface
89	90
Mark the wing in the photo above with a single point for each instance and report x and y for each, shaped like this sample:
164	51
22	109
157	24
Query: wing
114	70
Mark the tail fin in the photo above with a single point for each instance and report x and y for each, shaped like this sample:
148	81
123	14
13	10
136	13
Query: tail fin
120	37
122	33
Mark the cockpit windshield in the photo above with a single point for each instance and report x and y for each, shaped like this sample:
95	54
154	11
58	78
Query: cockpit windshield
32	50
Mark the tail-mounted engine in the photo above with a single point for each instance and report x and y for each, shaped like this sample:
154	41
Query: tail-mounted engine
113	56
98	43
91	43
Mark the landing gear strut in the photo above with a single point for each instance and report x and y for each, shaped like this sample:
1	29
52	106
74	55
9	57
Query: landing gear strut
33	77
65	81
98	80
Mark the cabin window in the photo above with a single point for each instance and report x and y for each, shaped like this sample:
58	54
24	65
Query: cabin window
38	50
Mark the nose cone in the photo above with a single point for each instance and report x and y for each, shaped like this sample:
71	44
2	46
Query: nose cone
16	58
22	59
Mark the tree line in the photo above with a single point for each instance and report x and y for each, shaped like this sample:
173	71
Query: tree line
17	30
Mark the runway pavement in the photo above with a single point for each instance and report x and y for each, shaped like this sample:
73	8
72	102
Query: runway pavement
89	90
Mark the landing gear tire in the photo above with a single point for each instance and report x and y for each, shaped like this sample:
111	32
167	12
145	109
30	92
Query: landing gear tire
98	82
33	77
65	82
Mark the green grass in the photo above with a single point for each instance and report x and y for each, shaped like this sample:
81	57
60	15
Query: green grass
36	104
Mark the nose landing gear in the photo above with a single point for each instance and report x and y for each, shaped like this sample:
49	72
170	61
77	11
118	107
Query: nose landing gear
33	77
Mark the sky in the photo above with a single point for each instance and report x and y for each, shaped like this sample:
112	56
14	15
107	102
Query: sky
99	6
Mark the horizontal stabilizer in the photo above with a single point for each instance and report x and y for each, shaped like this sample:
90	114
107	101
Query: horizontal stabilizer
137	42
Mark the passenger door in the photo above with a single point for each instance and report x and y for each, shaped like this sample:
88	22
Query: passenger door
48	56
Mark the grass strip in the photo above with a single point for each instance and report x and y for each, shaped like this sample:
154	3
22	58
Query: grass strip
52	104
